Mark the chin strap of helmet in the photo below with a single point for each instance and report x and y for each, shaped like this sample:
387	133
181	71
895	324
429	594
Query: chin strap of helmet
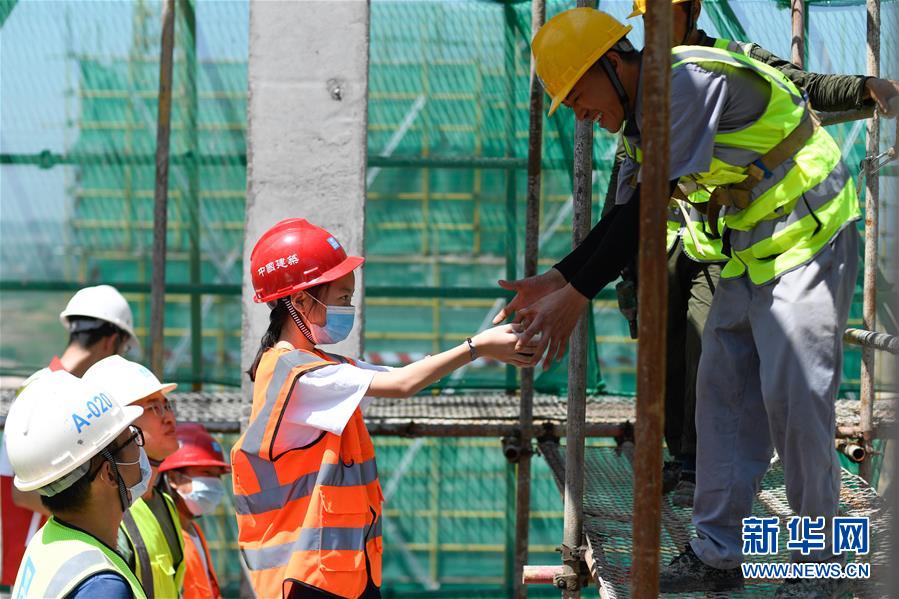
297	320
618	86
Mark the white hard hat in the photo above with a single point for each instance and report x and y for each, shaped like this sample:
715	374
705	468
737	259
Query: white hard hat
103	302
56	425
127	381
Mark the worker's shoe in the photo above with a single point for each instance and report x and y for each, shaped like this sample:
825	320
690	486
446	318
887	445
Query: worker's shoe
688	574
670	475
812	588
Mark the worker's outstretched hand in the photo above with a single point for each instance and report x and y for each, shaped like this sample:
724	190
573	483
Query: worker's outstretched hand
550	321
502	343
529	290
886	93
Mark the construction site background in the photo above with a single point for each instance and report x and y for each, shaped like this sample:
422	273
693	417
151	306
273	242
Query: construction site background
447	143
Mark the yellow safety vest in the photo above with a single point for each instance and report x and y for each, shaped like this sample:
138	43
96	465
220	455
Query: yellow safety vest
687	224
154	558
59	558
798	205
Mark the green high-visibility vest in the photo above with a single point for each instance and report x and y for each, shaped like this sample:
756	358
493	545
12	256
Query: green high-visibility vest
59	558
687	224
799	206
154	559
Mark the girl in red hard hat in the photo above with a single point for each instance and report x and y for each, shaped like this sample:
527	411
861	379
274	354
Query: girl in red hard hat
306	487
194	474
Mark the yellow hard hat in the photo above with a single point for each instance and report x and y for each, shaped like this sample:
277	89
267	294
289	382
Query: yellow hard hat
639	7
568	44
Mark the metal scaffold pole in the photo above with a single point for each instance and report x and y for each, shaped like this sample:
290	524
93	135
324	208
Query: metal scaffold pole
160	194
191	110
797	17
572	535
872	188
652	301
531	252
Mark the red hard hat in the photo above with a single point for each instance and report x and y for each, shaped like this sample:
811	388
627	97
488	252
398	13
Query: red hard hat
295	255
196	447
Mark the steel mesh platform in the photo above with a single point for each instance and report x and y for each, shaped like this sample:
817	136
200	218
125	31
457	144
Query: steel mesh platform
608	519
493	414
470	414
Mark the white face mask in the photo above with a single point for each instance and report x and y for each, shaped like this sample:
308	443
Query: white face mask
146	473
206	492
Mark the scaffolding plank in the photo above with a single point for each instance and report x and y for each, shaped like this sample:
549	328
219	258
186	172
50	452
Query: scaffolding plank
470	414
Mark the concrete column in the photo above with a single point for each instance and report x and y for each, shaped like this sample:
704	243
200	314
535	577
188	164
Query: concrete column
306	132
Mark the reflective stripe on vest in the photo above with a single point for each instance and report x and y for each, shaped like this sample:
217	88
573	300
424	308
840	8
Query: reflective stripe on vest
59	558
151	544
686	223
767	238
309	514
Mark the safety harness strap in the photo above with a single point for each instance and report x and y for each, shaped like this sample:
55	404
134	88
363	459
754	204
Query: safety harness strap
739	195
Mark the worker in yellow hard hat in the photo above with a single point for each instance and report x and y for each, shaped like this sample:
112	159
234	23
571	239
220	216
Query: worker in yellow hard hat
695	258
781	207
827	92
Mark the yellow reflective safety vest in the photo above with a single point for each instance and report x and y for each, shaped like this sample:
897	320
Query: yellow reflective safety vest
158	565
687	222
60	557
779	214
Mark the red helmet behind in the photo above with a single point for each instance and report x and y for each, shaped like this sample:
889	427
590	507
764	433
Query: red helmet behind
295	255
196	447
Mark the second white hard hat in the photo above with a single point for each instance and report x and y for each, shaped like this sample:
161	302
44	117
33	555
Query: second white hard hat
103	302
56	425
127	381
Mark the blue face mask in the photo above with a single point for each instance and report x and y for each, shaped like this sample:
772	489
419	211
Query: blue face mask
338	324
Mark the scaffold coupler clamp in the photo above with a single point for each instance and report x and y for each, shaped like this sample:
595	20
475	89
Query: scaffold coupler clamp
627	435
514	450
579	576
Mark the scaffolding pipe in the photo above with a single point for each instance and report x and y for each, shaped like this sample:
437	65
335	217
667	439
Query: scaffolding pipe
577	374
797	16
191	111
869	303
540	574
872	184
531	253
160	193
872	340
652	301
572	535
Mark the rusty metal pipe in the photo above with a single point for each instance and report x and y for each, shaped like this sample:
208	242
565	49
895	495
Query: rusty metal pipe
872	188
577	366
797	45
160	192
652	300
873	340
855	452
531	254
540	574
572	533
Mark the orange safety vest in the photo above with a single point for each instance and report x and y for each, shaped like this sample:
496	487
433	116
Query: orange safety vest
310	515
200	581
